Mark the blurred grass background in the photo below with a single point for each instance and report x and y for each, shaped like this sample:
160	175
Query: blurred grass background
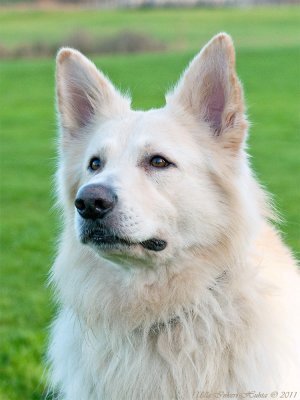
268	61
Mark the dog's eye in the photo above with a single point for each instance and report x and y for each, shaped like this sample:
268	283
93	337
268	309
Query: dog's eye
159	162
95	164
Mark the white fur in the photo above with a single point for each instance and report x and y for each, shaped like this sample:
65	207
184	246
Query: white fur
218	309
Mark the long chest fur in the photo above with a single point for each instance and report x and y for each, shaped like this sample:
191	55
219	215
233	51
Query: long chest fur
208	347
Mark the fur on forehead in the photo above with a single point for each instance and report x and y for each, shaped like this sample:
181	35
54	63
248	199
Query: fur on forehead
145	133
208	98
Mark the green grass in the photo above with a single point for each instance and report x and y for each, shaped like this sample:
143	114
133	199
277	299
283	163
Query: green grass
270	73
180	29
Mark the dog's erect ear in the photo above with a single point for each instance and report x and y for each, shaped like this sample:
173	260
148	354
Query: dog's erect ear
210	91
84	94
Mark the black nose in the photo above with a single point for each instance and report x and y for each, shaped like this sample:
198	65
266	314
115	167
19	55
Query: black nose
95	201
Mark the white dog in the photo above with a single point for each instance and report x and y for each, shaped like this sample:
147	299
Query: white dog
171	279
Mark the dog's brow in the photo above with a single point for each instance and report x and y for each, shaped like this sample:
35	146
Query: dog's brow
106	147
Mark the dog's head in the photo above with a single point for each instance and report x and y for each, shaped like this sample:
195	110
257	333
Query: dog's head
150	184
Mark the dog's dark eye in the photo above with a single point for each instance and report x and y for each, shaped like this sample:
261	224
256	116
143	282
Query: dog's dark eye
159	162
95	164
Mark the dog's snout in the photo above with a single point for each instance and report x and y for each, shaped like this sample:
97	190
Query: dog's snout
95	201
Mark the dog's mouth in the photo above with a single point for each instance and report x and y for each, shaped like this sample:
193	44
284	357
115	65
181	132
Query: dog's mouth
109	241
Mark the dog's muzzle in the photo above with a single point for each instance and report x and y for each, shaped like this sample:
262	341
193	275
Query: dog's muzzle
94	203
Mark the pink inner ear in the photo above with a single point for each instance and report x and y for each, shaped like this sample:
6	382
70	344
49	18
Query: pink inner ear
215	106
83	111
